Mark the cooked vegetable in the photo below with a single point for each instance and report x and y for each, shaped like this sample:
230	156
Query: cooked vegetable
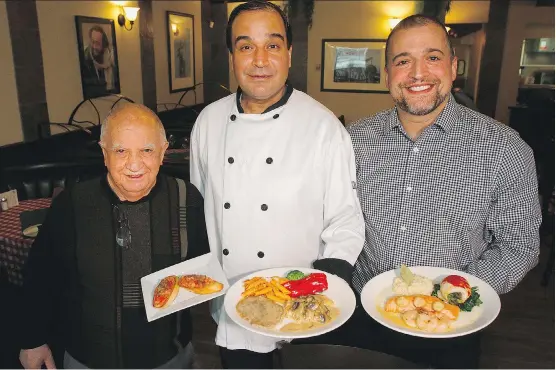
295	275
455	289
406	274
473	301
311	284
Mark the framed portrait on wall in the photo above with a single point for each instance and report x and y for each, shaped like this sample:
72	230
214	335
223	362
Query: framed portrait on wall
353	65
98	56
181	51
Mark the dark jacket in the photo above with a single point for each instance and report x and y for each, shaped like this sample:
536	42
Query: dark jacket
73	277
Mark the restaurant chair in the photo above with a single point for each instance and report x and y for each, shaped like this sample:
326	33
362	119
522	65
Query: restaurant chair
328	356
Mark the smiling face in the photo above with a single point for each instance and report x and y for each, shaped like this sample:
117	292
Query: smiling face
420	70
133	150
96	43
260	57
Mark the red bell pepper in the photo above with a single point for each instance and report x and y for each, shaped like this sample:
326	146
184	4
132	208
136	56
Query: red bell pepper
311	284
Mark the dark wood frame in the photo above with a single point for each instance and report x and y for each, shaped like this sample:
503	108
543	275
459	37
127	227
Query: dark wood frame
79	21
323	66
170	57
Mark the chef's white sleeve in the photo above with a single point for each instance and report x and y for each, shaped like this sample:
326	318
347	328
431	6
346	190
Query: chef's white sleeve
344	227
196	169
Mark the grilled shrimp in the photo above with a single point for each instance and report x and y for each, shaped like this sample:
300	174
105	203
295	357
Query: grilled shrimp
401	304
410	318
427	322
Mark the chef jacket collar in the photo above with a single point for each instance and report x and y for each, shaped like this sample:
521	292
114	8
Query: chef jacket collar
278	104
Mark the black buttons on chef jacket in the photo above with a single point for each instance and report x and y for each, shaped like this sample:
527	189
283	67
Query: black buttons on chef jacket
233	117
230	160
275	116
227	205
269	160
260	254
225	252
264	207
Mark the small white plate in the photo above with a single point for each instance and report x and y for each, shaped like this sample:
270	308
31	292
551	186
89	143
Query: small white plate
32	231
207	264
378	289
338	291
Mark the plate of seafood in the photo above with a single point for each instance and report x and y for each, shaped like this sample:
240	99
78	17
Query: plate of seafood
430	302
290	302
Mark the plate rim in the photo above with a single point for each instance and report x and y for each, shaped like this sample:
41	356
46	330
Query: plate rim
367	306
290	335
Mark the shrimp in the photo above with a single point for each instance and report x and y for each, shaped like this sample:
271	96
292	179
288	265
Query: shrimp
426	322
399	304
443	324
410	318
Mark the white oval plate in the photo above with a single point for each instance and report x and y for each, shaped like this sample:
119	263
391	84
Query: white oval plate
378	289
338	290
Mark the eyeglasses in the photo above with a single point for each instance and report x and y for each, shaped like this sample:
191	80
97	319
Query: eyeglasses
123	235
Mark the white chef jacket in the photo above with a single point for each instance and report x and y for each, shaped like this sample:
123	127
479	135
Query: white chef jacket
279	191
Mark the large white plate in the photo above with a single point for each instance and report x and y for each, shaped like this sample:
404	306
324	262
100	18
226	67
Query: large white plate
338	290
207	264
378	289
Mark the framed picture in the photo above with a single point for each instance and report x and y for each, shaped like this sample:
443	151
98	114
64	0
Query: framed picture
355	65
98	56
181	51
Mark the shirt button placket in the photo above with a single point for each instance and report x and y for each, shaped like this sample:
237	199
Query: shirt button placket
405	212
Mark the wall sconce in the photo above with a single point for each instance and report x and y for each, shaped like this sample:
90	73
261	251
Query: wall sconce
393	22
130	14
175	29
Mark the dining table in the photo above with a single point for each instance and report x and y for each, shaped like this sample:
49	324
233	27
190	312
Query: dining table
14	246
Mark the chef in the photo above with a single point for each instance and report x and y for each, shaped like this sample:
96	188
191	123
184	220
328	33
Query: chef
277	172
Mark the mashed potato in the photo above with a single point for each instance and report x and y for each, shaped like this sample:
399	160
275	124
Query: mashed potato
419	285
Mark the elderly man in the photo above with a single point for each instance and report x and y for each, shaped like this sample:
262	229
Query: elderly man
277	172
440	185
99	238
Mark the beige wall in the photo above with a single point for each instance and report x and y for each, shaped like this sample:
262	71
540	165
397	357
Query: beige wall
350	20
161	52
10	124
61	60
525	20
465	11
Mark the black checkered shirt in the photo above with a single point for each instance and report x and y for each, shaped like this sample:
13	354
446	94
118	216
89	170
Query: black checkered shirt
463	195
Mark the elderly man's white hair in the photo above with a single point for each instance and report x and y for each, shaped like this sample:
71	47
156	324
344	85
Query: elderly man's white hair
131	112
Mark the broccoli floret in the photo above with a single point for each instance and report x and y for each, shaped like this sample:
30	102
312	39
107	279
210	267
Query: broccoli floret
295	275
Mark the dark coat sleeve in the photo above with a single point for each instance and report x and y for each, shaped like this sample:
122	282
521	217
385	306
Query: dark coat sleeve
197	238
44	273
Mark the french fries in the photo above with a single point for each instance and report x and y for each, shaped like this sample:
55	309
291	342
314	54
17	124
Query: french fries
272	289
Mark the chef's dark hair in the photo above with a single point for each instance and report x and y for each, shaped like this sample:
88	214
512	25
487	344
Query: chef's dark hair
256	5
97	28
418	20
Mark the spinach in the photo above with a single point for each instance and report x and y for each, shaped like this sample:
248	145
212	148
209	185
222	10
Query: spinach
435	290
454	298
467	306
472	301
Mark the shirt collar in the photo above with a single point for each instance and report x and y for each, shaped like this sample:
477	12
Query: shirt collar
446	120
283	100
